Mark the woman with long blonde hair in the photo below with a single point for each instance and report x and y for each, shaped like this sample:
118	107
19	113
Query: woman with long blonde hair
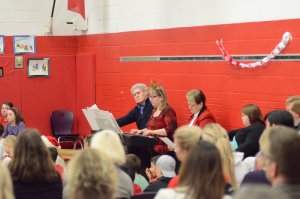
217	135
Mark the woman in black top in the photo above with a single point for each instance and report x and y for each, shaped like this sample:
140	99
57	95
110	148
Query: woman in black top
32	170
247	138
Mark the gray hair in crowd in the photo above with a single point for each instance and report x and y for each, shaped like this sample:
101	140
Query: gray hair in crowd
141	86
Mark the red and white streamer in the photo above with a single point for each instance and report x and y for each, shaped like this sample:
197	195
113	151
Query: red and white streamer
283	43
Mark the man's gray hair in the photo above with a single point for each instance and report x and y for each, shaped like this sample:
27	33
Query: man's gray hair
141	86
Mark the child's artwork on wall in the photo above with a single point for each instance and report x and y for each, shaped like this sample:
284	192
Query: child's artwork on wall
38	67
2	44
24	44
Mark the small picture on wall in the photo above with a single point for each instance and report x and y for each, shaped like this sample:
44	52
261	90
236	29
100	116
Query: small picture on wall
38	67
24	44
2	44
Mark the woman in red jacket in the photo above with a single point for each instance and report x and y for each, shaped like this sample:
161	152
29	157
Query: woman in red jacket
201	115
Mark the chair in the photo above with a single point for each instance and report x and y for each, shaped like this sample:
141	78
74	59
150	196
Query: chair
145	195
61	124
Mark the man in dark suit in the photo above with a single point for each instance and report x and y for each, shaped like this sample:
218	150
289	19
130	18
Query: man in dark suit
141	113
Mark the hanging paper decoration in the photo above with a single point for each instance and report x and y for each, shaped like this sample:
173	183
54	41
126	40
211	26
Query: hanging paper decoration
283	43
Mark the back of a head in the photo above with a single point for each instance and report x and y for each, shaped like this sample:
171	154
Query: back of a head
53	153
6	188
292	99
133	162
187	136
284	151
91	174
202	172
109	143
258	192
10	142
217	135
280	117
296	107
167	166
32	161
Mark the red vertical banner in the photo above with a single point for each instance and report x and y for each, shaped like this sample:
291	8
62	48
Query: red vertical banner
77	6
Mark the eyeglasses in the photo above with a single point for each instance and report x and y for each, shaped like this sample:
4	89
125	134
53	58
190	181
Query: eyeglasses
191	105
136	93
5	108
152	97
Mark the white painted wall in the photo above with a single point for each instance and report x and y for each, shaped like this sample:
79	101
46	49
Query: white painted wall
108	16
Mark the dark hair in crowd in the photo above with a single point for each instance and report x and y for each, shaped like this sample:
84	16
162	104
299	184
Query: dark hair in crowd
32	161
280	117
284	151
19	117
202	172
8	104
253	112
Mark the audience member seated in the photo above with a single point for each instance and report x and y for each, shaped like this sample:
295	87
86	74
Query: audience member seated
87	141
279	117
163	121
197	104
32	170
293	106
259	192
4	109
6	188
8	144
258	176
217	135
185	138
165	171
151	171
282	160
201	175
54	155
135	163
109	143
246	139
51	142
91	174
15	123
131	173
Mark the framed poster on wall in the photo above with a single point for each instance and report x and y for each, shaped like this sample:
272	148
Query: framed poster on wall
24	44
2	44
38	67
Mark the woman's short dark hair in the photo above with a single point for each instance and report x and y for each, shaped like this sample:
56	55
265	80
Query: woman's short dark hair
32	161
19	117
253	112
280	117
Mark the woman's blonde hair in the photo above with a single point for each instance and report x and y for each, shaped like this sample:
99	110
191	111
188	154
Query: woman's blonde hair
187	136
91	174
158	89
217	135
110	144
10	142
6	188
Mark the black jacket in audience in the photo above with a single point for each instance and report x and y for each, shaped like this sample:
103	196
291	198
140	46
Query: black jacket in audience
161	182
247	139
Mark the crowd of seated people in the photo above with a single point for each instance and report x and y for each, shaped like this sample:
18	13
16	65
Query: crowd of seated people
214	163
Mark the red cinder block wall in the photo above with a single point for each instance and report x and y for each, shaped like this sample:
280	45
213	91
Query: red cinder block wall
38	97
227	87
87	69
